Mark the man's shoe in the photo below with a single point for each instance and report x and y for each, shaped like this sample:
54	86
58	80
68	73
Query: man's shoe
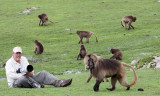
42	85
66	83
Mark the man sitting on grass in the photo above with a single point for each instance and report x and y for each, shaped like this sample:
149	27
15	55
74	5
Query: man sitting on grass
17	79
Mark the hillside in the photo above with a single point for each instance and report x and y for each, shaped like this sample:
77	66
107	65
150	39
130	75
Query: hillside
60	40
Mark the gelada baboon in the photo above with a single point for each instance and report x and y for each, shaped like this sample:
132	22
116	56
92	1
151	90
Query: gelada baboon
117	54
85	34
38	47
105	68
82	52
89	78
44	19
128	20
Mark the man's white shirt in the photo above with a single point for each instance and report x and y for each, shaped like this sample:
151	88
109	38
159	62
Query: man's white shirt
11	67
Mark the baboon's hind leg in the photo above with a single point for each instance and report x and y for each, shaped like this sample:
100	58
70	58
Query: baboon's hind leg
129	25
40	23
87	40
113	83
80	41
125	25
132	26
123	82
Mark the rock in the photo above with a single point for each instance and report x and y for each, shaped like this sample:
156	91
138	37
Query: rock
68	29
133	63
157	65
28	10
144	65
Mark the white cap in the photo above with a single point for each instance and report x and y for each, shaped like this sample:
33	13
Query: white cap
17	49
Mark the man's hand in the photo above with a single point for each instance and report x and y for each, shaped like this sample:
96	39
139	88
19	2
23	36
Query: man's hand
29	74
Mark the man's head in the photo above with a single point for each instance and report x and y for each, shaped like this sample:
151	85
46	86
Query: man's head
17	53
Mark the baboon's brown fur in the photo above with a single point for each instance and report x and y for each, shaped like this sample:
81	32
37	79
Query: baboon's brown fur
117	54
90	76
38	47
85	34
44	19
128	20
82	52
104	68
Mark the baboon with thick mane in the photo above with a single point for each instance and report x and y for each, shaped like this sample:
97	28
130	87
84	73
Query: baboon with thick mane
103	68
85	34
82	52
128	20
43	19
117	54
38	47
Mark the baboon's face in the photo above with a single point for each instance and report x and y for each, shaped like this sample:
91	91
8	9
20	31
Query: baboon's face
82	46
134	19
36	41
90	63
112	51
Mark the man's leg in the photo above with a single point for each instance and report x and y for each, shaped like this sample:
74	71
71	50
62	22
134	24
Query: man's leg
26	82
46	78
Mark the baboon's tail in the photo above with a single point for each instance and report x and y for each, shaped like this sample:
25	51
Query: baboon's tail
96	37
135	75
52	21
122	24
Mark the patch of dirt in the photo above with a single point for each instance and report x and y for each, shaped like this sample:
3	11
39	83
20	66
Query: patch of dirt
28	10
70	72
32	60
2	78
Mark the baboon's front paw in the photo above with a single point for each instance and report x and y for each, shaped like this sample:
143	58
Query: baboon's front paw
110	89
128	88
96	88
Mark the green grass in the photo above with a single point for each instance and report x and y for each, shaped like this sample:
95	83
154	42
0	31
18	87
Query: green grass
143	61
61	48
148	80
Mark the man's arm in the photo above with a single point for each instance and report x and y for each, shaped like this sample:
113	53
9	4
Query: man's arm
29	74
10	72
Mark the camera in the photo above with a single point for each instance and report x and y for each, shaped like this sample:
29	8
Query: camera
25	70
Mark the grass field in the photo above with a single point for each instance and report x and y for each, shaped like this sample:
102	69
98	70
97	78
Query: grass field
61	46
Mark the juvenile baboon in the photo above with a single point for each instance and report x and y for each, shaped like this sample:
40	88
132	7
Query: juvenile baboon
44	19
117	54
38	47
128	20
82	52
85	34
105	68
